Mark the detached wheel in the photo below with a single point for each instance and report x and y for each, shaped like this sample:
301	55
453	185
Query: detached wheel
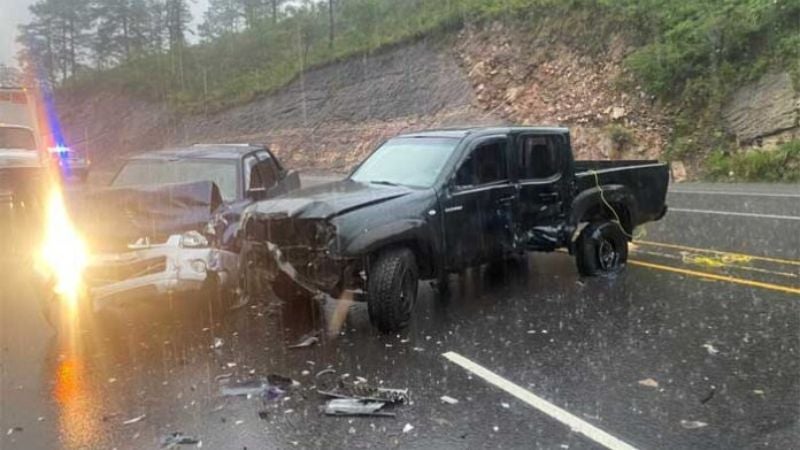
392	289
601	249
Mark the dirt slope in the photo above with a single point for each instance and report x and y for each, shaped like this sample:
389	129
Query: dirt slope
331	116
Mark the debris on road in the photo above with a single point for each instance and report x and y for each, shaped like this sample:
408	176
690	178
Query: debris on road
222	376
282	381
355	407
649	382
758	392
306	341
218	343
449	400
364	392
324	372
408	428
693	424
134	420
505	405
709	396
263	414
14	430
178	438
710	348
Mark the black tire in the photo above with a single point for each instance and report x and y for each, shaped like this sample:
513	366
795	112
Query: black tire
602	248
392	289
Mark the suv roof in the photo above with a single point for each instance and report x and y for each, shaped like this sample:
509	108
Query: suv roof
202	151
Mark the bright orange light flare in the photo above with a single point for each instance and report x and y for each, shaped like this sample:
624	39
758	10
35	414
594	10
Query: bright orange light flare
63	252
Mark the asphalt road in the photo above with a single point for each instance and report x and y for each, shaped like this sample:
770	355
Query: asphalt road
695	345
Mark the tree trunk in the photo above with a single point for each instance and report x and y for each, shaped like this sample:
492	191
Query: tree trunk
330	24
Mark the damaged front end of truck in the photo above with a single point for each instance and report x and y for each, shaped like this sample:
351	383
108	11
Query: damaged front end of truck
289	253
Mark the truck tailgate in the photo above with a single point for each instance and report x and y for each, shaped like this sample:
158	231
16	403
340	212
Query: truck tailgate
646	180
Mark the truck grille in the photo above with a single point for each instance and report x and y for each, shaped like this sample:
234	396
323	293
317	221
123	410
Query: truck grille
114	272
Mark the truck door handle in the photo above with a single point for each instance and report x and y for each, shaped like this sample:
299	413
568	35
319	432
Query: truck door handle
548	195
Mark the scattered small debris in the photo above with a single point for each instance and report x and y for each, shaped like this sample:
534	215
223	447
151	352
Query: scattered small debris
245	389
218	343
505	405
355	407
230	365
351	430
178	438
15	430
418	349
306	341
449	400
222	376
263	414
112	380
134	420
758	392
693	424
40	419
408	427
238	422
495	428
710	348
649	382
364	392
305	373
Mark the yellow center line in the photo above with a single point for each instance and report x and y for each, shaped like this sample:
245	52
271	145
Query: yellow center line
711	276
695	249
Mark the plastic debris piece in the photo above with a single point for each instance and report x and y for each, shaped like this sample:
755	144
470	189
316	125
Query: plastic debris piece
408	427
325	372
355	407
649	382
134	420
710	348
13	430
449	400
112	380
758	392
245	389
306	341
230	365
305	373
363	391
282	381
222	376
218	343
505	405
495	428
693	424
177	438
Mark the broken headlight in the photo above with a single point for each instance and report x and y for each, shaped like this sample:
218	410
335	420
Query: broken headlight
193	239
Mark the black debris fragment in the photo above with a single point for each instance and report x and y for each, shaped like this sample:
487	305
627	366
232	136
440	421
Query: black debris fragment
263	415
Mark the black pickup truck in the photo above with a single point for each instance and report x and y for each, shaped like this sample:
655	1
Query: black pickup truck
428	204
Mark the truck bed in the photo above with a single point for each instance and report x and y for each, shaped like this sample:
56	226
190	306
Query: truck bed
646	179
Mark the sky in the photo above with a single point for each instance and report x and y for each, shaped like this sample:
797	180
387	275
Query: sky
15	12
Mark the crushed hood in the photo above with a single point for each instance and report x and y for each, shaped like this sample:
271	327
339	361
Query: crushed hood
114	217
328	200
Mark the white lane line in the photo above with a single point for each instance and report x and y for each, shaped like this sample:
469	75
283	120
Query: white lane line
730	213
736	194
576	424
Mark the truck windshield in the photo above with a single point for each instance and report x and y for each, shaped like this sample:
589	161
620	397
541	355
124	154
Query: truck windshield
144	172
407	161
19	138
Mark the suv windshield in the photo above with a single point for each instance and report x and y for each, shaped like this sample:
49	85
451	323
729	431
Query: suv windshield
408	161
143	172
20	138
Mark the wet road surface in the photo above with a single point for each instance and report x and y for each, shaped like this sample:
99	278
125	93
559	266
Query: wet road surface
695	345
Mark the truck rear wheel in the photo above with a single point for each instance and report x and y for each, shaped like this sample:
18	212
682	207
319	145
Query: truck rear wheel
602	248
392	289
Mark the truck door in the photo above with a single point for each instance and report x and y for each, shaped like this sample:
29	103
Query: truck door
479	203
543	189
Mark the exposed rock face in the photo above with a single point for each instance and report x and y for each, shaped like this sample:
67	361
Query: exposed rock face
767	107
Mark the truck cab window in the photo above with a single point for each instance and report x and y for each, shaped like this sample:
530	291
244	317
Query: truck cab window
486	164
539	157
252	174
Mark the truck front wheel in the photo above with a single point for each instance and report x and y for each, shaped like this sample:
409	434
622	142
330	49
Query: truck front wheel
601	248
392	289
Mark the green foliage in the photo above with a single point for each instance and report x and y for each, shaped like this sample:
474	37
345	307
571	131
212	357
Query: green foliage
781	164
